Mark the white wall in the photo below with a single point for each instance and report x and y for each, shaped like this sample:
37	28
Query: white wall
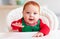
53	5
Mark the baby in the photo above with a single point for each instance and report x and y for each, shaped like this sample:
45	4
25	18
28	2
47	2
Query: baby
30	22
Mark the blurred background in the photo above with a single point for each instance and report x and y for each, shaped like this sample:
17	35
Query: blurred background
8	5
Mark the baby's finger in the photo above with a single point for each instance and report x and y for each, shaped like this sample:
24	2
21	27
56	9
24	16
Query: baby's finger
21	26
14	24
34	35
37	35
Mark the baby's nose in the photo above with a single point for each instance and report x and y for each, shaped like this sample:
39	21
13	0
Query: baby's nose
31	15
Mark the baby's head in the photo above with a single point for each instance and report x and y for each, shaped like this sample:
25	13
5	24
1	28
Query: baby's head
31	12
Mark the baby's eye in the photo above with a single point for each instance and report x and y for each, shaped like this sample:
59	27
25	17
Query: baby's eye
35	13
27	12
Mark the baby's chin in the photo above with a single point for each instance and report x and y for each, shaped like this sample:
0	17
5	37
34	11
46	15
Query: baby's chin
31	22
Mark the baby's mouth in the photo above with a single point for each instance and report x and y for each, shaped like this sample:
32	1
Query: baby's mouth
31	19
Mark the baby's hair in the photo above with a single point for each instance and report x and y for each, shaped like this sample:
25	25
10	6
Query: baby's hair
31	3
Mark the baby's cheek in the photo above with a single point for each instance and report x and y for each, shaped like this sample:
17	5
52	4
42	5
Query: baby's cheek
25	17
37	18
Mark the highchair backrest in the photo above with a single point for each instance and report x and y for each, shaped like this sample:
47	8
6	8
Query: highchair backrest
46	15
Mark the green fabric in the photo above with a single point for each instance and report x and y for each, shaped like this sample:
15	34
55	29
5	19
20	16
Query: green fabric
28	28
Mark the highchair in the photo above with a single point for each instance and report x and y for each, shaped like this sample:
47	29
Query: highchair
46	15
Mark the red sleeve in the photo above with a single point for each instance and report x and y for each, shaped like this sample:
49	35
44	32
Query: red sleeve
44	28
16	27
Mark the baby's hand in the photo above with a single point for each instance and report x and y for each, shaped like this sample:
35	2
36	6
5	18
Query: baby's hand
39	34
18	24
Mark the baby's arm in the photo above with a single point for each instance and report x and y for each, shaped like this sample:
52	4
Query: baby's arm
15	26
44	30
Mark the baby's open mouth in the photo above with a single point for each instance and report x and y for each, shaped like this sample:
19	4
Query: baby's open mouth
31	19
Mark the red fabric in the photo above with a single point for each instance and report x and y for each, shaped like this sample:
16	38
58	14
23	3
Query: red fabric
43	27
16	27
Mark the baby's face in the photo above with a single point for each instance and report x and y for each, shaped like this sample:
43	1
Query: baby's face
31	14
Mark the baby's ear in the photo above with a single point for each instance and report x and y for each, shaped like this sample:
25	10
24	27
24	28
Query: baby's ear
22	11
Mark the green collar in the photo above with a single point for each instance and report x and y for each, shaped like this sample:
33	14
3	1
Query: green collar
28	28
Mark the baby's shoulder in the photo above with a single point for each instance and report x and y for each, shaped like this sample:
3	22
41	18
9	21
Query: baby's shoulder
19	20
